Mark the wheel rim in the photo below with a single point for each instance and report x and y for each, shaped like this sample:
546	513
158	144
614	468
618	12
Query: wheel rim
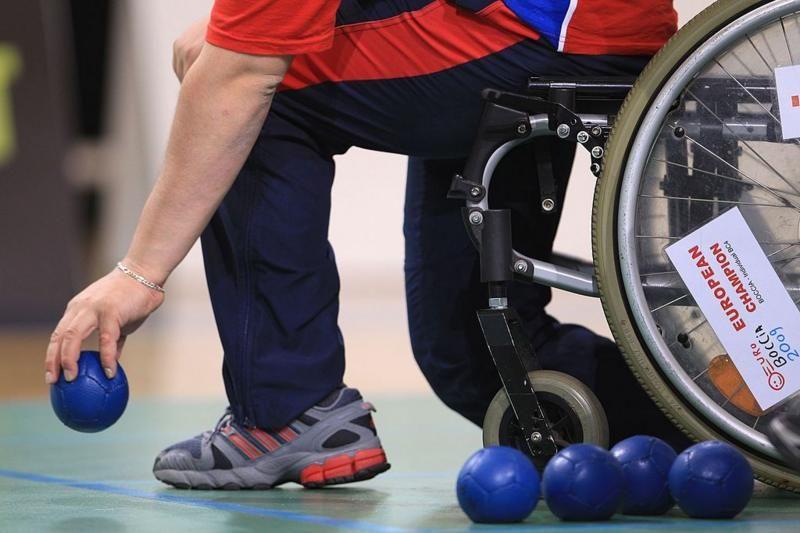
683	367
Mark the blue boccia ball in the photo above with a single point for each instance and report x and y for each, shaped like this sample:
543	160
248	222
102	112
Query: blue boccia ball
645	463
583	482
711	479
498	485
91	402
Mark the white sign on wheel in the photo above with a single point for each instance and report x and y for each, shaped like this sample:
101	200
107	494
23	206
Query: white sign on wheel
787	83
746	304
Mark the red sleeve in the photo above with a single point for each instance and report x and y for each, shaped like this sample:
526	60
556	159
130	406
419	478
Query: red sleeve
272	27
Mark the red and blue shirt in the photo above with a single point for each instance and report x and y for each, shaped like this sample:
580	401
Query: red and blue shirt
625	27
594	27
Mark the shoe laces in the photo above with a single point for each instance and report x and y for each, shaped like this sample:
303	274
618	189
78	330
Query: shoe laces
224	421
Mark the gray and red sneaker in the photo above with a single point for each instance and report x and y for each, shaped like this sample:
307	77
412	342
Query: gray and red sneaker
334	442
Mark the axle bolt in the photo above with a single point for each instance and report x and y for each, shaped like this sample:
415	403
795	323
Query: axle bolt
563	131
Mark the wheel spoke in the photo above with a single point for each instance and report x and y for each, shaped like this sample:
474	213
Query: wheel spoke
671	238
769	67
781	250
739	139
701	171
756	100
662	273
694	328
713	200
786	39
660	307
556	425
671	272
748	178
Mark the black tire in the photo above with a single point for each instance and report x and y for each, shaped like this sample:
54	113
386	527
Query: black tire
571	406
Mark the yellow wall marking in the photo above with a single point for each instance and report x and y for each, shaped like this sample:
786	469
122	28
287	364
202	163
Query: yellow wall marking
10	67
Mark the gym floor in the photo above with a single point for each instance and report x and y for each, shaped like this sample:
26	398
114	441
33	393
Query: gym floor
54	479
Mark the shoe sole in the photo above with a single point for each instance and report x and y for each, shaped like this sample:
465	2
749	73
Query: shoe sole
335	469
345	468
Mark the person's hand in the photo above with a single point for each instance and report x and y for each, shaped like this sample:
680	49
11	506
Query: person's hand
116	305
187	47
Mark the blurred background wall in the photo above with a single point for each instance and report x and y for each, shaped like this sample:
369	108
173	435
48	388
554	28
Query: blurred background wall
87	94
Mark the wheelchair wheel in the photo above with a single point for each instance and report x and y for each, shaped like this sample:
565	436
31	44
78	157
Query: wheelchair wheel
699	134
574	413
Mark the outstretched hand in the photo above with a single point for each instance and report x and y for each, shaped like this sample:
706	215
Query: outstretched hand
116	305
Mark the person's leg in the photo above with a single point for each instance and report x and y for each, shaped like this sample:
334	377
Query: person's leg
444	292
443	280
571	348
273	280
443	289
274	290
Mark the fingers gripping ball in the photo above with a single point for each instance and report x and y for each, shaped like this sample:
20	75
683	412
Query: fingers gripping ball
91	402
583	482
498	485
711	479
645	462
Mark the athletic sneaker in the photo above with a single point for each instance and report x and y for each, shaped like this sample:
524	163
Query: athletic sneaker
783	432
334	442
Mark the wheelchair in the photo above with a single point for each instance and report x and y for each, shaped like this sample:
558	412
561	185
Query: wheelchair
697	134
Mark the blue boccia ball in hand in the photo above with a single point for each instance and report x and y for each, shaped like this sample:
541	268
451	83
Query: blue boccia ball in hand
498	485
711	479
91	402
583	482
645	462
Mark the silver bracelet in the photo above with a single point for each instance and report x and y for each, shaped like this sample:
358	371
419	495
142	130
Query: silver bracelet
141	279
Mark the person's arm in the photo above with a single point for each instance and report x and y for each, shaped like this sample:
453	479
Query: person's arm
224	99
223	103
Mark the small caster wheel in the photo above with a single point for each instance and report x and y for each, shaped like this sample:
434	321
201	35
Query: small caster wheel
574	413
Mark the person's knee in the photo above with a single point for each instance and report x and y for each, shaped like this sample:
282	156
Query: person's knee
574	350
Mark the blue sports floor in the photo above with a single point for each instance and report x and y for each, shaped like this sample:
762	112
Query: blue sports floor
53	479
